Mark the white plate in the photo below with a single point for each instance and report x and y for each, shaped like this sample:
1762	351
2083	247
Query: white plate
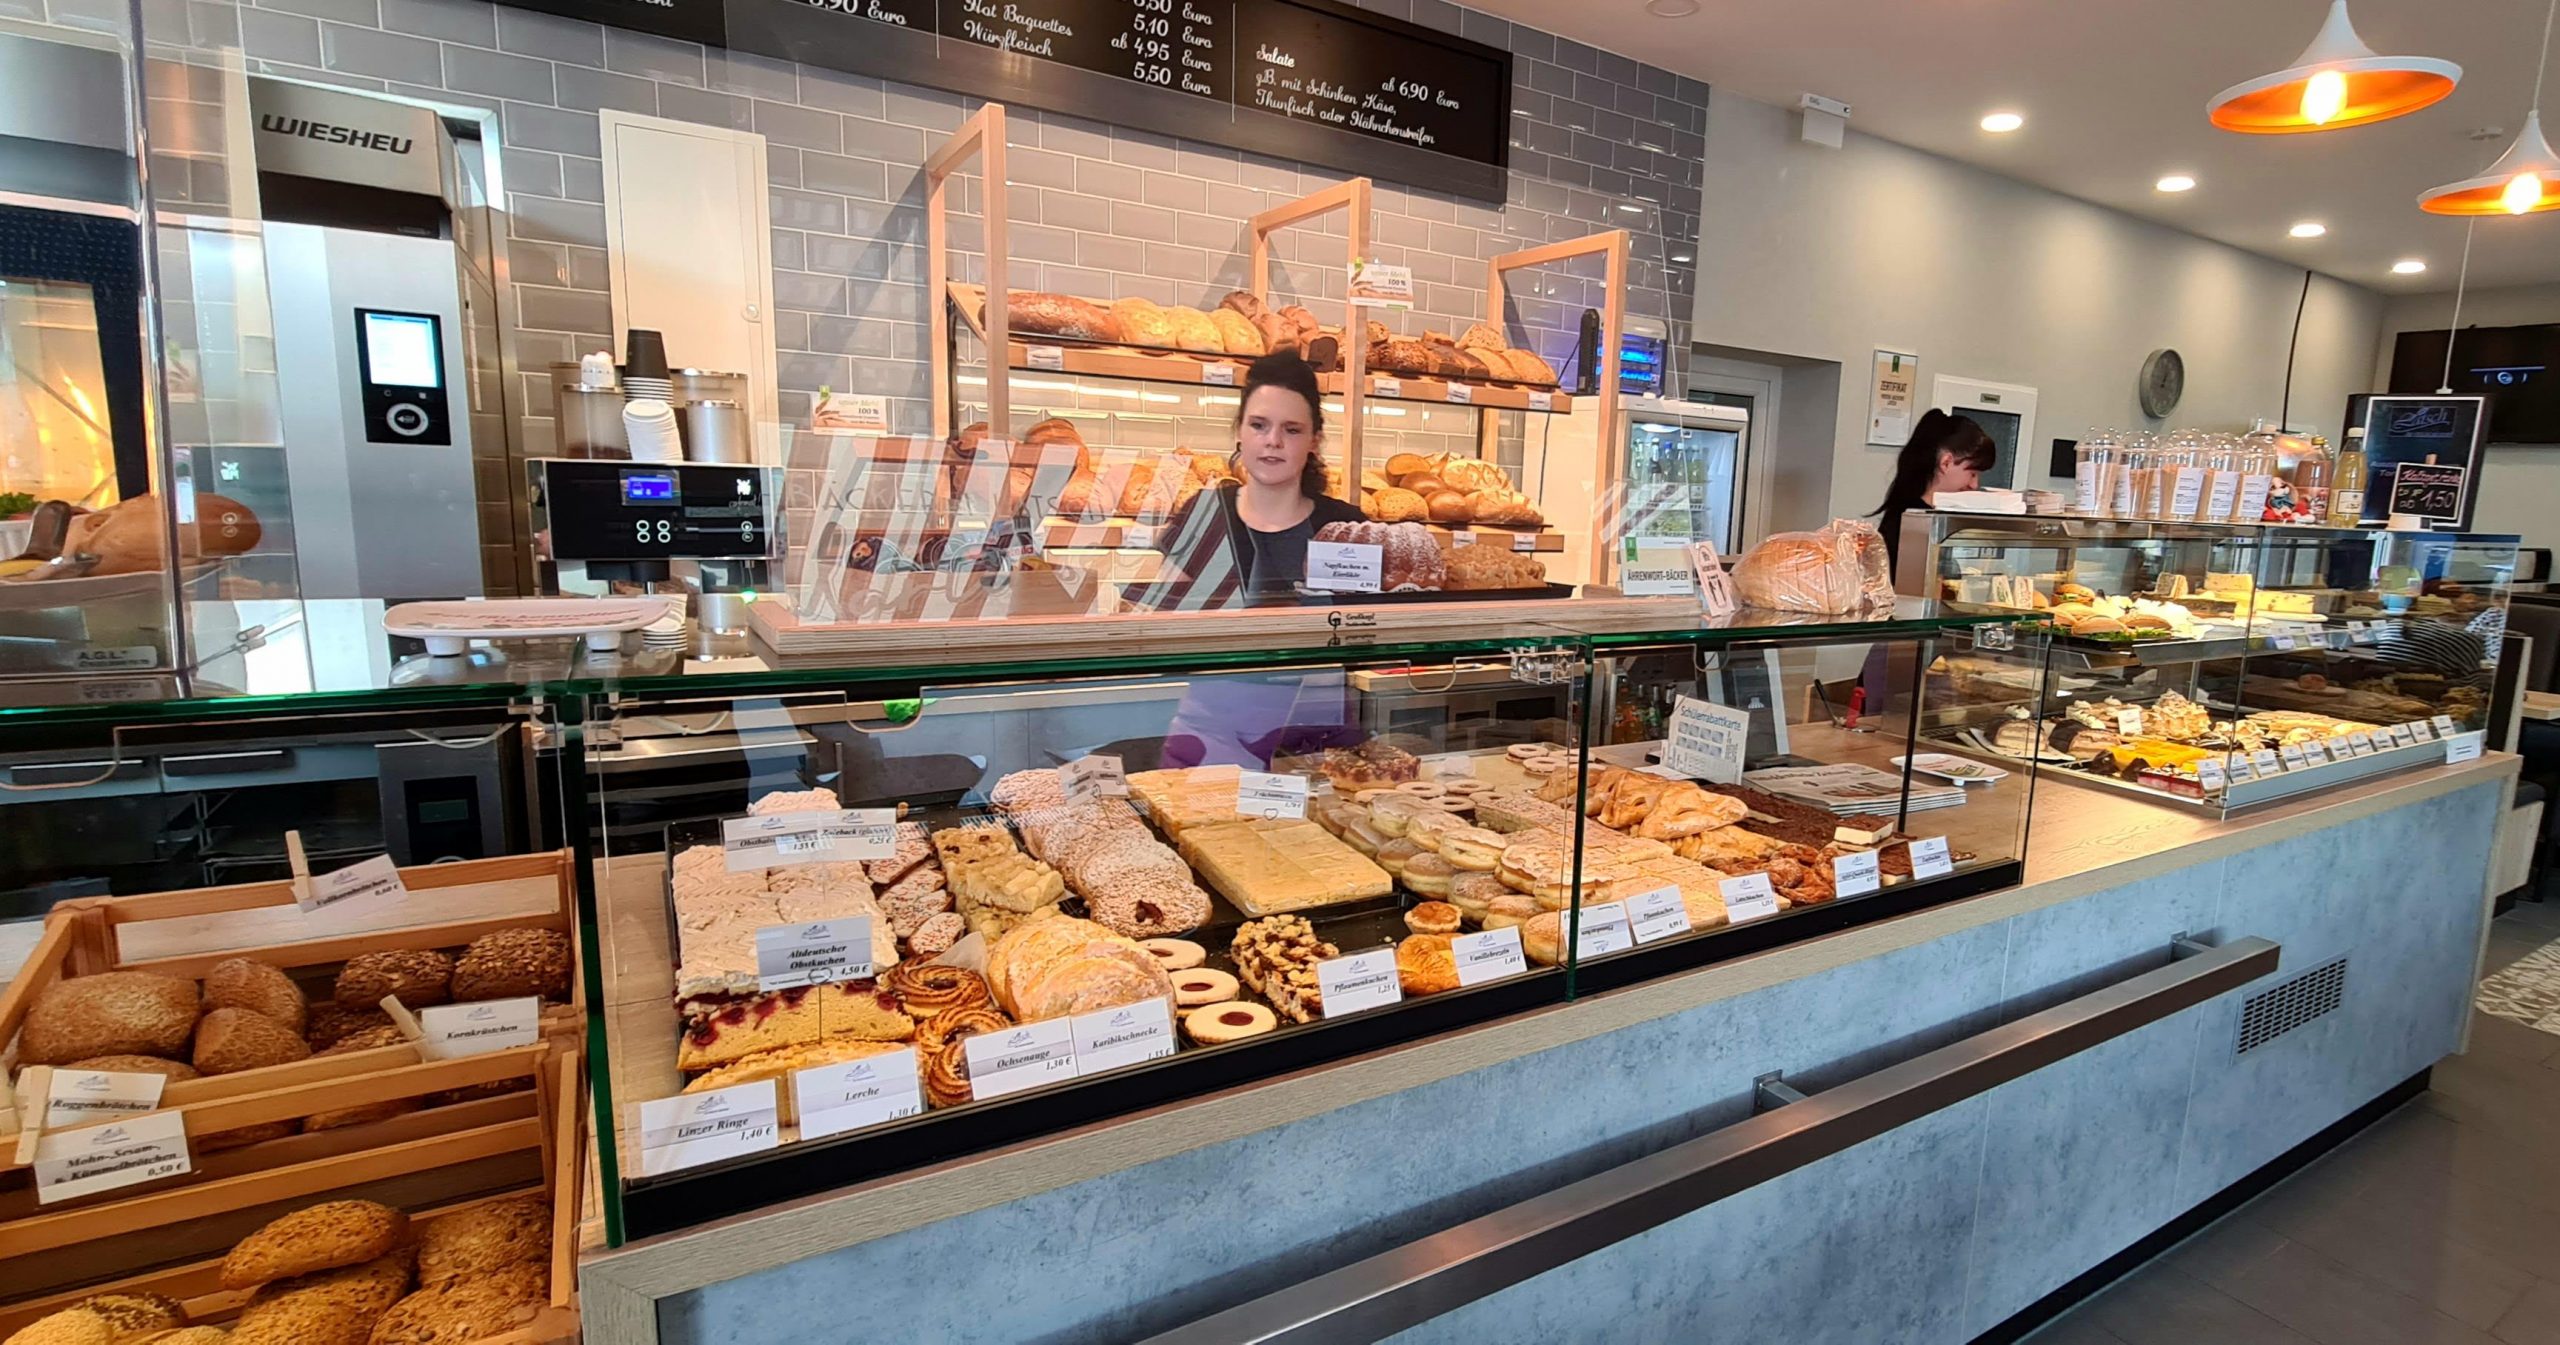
1961	770
449	627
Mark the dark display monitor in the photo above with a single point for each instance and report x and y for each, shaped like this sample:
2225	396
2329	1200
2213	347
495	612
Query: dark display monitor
2516	368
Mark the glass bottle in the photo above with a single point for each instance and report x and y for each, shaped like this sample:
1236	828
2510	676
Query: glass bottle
2258	467
2221	479
2347	487
2311	483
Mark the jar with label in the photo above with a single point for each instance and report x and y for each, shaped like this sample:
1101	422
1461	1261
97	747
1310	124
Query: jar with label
2221	458
2311	483
2182	479
2091	462
2259	477
2128	483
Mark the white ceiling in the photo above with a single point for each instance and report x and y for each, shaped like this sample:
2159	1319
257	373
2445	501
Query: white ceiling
2114	96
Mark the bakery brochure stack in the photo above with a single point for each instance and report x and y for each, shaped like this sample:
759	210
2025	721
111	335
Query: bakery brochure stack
1850	790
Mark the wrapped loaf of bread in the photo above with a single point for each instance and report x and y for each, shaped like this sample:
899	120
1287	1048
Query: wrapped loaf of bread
1838	569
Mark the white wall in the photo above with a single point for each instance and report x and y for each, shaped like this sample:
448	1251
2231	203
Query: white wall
2524	483
1813	253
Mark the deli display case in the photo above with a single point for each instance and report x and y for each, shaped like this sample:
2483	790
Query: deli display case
2220	666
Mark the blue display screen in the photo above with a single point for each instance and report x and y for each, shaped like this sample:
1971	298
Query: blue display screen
642	489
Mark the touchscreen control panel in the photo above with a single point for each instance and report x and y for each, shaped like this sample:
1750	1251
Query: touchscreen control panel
400	359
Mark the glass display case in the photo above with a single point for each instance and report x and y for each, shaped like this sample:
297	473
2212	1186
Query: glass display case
1683	468
2220	666
855	921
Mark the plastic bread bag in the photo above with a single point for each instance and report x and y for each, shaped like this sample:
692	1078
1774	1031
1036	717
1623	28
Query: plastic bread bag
1840	568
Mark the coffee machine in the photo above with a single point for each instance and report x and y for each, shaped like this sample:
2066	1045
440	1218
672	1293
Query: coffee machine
710	531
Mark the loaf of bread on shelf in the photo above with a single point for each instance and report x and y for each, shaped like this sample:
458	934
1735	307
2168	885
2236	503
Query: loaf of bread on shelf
1397	505
1032	313
1449	506
1143	323
1193	331
1323	351
1526	367
1490	565
1482	336
1237	333
1244	304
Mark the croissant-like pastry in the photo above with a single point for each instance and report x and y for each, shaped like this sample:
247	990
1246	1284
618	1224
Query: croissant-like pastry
1602	789
1633	800
1686	809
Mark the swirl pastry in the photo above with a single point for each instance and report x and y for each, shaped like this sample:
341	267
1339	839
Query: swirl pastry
927	989
1425	964
946	1029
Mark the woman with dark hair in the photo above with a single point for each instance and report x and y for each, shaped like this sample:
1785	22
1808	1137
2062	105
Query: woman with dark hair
1250	535
1945	452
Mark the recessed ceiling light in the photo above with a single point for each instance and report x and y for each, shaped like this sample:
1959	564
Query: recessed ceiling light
2002	123
2176	182
2308	229
2408	267
1682	257
1631	207
1671	9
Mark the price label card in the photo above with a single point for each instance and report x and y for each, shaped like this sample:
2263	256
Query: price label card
1542	401
1748	897
1715	587
80	1096
1603	929
2403	736
1387	387
2360	632
1357	982
1524	541
1706	741
1095	776
1262	795
375	881
2339	749
2280	637
785	840
145	1148
1653	569
2425	730
1658	914
691	1129
1489	956
1218	375
2462	747
1049	358
815	953
2266	763
2253	498
2209	774
482	1025
857	1094
2218	501
1461	394
1857	873
2294	757
2361	742
1378	285
2129	721
2444	725
1020	1058
1931	859
1345	567
1131	1034
2186	494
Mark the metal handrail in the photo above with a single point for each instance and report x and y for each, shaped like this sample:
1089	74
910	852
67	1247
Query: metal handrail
1400	1288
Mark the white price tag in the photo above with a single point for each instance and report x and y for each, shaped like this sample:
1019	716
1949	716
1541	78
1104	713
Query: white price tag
2253	498
2294	759
2219	500
2209	774
2280	637
1356	982
1655	567
1459	537
2444	725
1489	956
2425	729
691	1129
1387	387
2403	736
1131	1034
1461	394
1930	858
1603	929
815	953
1658	914
1019	1058
1524	541
1857	873
2339	749
2129	721
1542	401
375	881
80	1096
2463	747
2266	763
1261	795
2362	743
1748	897
857	1094
2240	769
1715	586
1047	358
1095	776
784	840
1218	374
2187	495
1706	741
2360	632
1345	567
482	1025
145	1148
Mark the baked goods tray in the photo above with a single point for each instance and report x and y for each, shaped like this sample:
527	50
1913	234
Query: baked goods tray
1550	589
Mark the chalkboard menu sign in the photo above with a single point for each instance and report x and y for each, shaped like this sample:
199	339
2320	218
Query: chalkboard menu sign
2443	430
1312	80
2427	490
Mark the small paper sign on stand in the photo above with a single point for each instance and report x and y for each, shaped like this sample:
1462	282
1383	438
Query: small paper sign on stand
1715	587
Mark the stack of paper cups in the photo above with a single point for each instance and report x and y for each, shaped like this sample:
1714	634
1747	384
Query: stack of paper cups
650	426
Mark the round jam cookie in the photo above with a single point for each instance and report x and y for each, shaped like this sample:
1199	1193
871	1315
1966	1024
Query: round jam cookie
1423	789
1217	1024
1176	954
1202	985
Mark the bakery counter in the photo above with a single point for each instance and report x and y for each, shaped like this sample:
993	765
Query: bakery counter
1946	1227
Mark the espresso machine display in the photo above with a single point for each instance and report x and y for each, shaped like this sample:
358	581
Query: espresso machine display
402	359
602	512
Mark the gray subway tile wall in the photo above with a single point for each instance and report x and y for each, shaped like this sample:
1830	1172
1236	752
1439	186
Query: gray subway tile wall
1599	141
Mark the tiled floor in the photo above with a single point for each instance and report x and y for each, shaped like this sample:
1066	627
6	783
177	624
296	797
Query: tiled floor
2439	1225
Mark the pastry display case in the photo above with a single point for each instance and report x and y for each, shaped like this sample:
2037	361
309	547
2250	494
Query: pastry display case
2219	665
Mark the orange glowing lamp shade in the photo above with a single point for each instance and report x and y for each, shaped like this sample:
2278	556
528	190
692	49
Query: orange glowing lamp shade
2524	181
2338	82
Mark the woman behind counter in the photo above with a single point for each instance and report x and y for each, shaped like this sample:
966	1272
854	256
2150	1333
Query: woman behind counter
1246	541
1945	453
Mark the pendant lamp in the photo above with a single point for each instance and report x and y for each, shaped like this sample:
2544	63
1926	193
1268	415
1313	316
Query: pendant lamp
2525	179
2338	82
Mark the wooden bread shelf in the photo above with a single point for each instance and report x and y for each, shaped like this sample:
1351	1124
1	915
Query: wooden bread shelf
1540	539
1468	393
